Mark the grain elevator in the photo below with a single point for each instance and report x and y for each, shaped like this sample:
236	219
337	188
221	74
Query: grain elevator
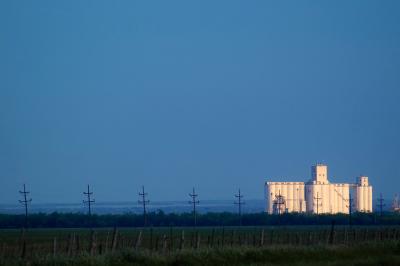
318	195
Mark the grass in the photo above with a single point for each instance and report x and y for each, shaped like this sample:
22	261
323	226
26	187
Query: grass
161	246
369	254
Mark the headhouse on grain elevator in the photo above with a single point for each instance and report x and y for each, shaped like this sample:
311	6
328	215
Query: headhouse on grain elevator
318	195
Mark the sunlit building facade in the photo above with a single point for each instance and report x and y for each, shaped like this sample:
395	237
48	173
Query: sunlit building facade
319	196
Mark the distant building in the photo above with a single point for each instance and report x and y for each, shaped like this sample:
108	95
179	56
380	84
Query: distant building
318	195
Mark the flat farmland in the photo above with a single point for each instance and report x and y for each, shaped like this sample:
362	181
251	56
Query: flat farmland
292	245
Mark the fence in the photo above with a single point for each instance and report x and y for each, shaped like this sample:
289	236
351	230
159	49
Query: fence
70	243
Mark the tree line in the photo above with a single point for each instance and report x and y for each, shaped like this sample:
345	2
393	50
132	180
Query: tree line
162	219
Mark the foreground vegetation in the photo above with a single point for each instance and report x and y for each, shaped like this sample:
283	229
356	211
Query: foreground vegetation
294	245
386	253
59	239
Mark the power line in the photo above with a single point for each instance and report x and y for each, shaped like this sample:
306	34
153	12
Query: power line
89	200
239	202
143	202
194	202
381	204
25	203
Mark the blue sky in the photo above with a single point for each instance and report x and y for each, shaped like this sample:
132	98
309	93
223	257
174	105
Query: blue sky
212	94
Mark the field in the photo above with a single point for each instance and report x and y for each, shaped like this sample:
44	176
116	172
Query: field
293	245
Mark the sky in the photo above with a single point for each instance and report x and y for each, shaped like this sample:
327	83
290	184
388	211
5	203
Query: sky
216	95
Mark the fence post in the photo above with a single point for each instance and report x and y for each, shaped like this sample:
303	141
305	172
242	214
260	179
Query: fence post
297	239
21	236
212	237
223	237
272	237
182	242
171	239
121	241
278	237
394	234
332	233
106	243
309	238
156	244
73	244
93	243
262	238
151	238
77	251
22	243
288	239
3	250
114	240
69	246
23	251
101	248
164	243
193	240
54	247
376	235
138	241
3	253
365	235
197	240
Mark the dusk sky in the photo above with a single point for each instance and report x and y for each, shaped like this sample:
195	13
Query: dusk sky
219	95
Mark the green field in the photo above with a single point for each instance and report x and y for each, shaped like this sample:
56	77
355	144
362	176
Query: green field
296	245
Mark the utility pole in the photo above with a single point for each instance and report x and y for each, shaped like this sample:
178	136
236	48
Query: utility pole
25	202
239	202
194	202
144	202
89	202
381	204
317	198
